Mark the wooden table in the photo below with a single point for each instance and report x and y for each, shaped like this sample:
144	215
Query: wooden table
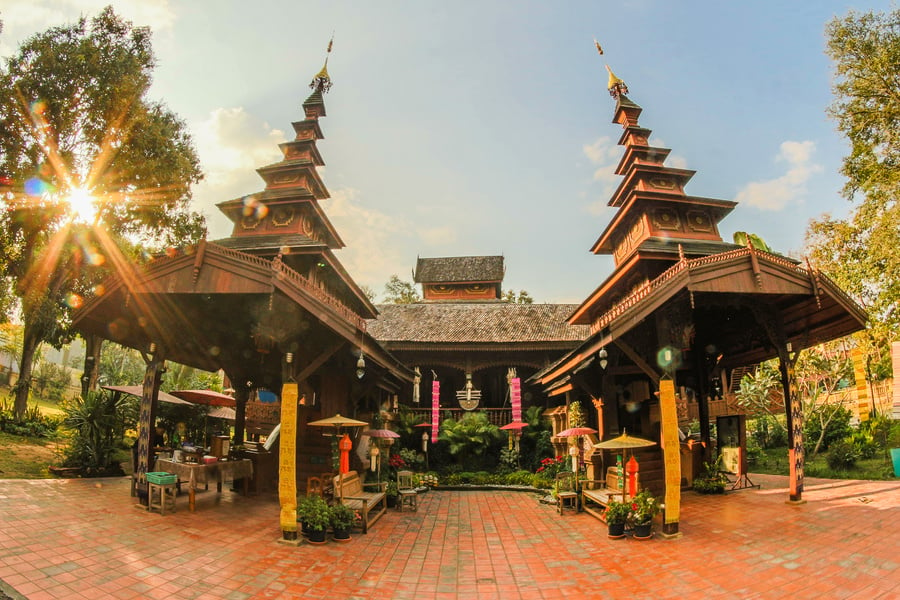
194	473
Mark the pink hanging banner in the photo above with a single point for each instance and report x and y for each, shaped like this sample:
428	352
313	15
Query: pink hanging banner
515	395
435	409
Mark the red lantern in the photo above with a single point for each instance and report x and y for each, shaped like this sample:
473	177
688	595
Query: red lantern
632	469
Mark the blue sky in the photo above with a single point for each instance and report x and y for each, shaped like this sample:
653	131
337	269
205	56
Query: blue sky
484	127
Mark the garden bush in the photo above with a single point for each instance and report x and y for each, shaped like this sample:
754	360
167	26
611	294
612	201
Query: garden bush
34	423
842	455
837	429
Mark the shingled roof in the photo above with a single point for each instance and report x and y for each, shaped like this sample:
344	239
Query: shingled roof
498	322
458	269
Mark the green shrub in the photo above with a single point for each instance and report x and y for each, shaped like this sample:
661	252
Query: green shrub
34	423
842	455
837	429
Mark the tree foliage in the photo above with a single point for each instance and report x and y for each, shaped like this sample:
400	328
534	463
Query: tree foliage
859	252
397	291
522	297
74	116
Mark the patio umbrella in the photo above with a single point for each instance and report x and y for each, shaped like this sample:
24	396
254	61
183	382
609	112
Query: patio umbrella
337	421
222	412
514	425
576	431
380	433
138	390
206	397
624	442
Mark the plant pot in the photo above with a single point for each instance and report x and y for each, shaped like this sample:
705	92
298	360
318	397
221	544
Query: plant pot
304	529
643	531
316	536
616	530
341	535
392	501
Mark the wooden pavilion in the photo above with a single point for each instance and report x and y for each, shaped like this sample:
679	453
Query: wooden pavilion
270	305
682	308
469	340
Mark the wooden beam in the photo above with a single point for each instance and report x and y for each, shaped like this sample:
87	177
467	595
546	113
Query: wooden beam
636	359
319	361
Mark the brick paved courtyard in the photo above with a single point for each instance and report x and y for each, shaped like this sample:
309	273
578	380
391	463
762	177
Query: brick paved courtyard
77	539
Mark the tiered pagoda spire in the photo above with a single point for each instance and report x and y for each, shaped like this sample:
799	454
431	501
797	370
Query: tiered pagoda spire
657	223
285	220
286	216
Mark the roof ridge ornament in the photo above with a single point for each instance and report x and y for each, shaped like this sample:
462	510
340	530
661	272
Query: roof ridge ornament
322	81
615	85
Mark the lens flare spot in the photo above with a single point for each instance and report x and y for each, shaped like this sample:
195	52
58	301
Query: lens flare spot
38	107
668	358
99	289
118	329
36	187
142	322
74	301
171	252
214	350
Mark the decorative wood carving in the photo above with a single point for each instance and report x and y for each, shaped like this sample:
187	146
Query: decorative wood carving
699	220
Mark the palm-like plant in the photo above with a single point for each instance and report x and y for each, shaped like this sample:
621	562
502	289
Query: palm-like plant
471	436
96	429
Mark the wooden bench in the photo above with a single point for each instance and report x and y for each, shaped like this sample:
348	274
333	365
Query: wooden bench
595	497
348	490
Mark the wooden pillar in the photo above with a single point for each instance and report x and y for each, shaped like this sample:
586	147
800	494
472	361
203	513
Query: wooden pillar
147	417
287	456
794	411
671	456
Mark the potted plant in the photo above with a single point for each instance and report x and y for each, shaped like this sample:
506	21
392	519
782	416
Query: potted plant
711	480
616	515
392	493
342	520
644	506
315	515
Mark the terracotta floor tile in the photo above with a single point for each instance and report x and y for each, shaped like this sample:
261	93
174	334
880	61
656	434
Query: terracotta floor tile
459	545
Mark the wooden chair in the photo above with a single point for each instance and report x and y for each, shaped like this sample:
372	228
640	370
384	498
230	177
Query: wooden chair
408	495
566	492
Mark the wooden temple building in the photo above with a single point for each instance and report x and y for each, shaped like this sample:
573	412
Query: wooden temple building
682	308
469	340
651	346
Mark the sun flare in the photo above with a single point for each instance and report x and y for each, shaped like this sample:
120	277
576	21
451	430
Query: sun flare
81	205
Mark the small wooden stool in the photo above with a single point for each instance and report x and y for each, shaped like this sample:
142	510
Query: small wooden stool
162	496
409	499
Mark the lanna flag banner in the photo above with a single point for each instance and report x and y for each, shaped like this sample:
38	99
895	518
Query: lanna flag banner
435	409
515	397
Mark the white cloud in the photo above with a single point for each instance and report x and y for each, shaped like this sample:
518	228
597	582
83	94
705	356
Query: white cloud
22	18
604	154
232	144
374	240
676	161
776	194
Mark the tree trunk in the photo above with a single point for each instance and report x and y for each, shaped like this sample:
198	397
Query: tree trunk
92	347
30	343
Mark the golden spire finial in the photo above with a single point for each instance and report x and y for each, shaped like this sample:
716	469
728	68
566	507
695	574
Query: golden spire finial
322	81
615	85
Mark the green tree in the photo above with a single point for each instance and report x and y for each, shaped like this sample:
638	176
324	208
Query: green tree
397	291
859	252
76	124
523	297
470	438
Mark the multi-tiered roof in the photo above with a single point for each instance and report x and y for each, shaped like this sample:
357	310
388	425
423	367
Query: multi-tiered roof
657	222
